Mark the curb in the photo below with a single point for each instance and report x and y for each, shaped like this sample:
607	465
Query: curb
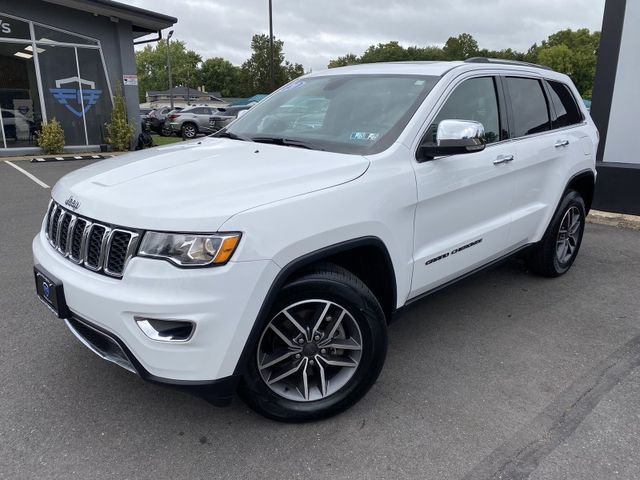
61	158
64	158
617	220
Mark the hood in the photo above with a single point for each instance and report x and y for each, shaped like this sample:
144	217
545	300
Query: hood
197	185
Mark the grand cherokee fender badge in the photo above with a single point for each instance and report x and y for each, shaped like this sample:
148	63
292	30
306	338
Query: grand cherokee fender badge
72	203
453	252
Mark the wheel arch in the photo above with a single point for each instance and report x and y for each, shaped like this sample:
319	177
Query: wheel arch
584	183
342	254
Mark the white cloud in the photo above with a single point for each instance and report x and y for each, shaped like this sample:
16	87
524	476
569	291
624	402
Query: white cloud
316	31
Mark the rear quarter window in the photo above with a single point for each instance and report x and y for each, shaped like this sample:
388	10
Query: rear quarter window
529	106
564	104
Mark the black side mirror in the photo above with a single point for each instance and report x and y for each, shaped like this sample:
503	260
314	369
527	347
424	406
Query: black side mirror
454	137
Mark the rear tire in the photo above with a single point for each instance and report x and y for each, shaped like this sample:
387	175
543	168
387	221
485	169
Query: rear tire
558	249
330	331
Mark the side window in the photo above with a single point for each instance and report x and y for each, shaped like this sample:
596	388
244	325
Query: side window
567	111
529	104
474	99
198	111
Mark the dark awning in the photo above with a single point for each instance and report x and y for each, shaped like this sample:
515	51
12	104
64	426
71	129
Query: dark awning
144	21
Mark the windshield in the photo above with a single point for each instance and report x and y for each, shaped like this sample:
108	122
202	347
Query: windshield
361	114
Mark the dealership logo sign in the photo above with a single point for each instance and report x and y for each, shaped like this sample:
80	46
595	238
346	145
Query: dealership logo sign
72	98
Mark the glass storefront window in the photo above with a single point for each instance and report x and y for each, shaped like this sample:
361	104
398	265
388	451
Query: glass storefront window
61	91
19	99
72	86
95	94
13	28
44	34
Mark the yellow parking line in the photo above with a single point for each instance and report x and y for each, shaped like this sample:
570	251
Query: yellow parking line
32	177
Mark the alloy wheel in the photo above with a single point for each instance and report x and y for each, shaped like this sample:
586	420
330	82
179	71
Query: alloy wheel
189	131
309	350
568	235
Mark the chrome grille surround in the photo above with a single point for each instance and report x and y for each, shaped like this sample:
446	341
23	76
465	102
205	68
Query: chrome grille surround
88	243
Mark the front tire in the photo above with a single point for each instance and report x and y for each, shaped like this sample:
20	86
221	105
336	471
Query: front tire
559	247
320	350
189	130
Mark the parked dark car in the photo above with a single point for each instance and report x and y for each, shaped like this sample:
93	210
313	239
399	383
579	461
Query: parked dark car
156	119
144	114
224	116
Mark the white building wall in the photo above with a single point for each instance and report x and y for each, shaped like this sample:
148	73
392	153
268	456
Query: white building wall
625	105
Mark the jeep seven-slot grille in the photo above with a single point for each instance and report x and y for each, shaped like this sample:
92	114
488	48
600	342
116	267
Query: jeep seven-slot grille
99	247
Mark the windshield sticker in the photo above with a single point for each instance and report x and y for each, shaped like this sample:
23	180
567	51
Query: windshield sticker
419	82
364	136
293	85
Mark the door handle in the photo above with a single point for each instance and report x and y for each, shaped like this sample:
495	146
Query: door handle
562	143
503	159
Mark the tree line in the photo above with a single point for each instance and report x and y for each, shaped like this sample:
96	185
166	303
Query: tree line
214	74
567	51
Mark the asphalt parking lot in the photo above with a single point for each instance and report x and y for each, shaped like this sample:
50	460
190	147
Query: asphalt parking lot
505	375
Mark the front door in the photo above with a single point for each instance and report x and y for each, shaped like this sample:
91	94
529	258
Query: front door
463	212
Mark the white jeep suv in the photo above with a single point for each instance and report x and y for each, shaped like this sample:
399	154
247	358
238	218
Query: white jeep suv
269	258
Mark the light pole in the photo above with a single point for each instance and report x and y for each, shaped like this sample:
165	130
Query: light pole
169	68
271	72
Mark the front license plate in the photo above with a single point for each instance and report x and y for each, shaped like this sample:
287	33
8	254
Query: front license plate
50	291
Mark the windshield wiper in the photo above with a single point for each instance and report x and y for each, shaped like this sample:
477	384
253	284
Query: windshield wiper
232	136
286	142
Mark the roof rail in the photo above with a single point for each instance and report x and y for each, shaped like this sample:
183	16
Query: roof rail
505	62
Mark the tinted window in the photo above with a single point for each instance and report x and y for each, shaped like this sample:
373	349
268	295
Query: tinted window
198	111
567	112
474	100
529	104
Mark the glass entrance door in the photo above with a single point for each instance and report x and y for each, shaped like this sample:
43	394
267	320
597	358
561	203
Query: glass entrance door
19	100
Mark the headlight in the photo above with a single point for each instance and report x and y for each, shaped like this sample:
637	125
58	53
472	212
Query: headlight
189	250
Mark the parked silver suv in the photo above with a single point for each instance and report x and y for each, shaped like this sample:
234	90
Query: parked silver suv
191	121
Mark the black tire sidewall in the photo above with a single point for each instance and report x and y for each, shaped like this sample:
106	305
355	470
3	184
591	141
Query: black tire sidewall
367	313
571	199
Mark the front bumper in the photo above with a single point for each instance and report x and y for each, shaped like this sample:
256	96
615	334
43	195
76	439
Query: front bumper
109	347
223	302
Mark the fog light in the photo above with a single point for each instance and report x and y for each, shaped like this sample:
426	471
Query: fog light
166	330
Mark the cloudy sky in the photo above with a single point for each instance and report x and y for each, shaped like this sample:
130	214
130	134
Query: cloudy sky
316	31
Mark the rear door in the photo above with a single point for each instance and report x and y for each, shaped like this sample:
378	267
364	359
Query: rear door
462	216
547	142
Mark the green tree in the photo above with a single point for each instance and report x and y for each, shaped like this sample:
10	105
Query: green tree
151	63
385	52
348	59
220	75
255	76
574	53
461	47
51	138
120	129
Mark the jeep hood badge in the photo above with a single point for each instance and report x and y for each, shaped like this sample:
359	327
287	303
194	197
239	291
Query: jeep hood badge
72	203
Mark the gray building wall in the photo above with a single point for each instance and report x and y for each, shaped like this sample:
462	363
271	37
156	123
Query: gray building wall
116	39
615	105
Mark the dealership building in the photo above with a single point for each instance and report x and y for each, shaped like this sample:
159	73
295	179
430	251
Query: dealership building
65	59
